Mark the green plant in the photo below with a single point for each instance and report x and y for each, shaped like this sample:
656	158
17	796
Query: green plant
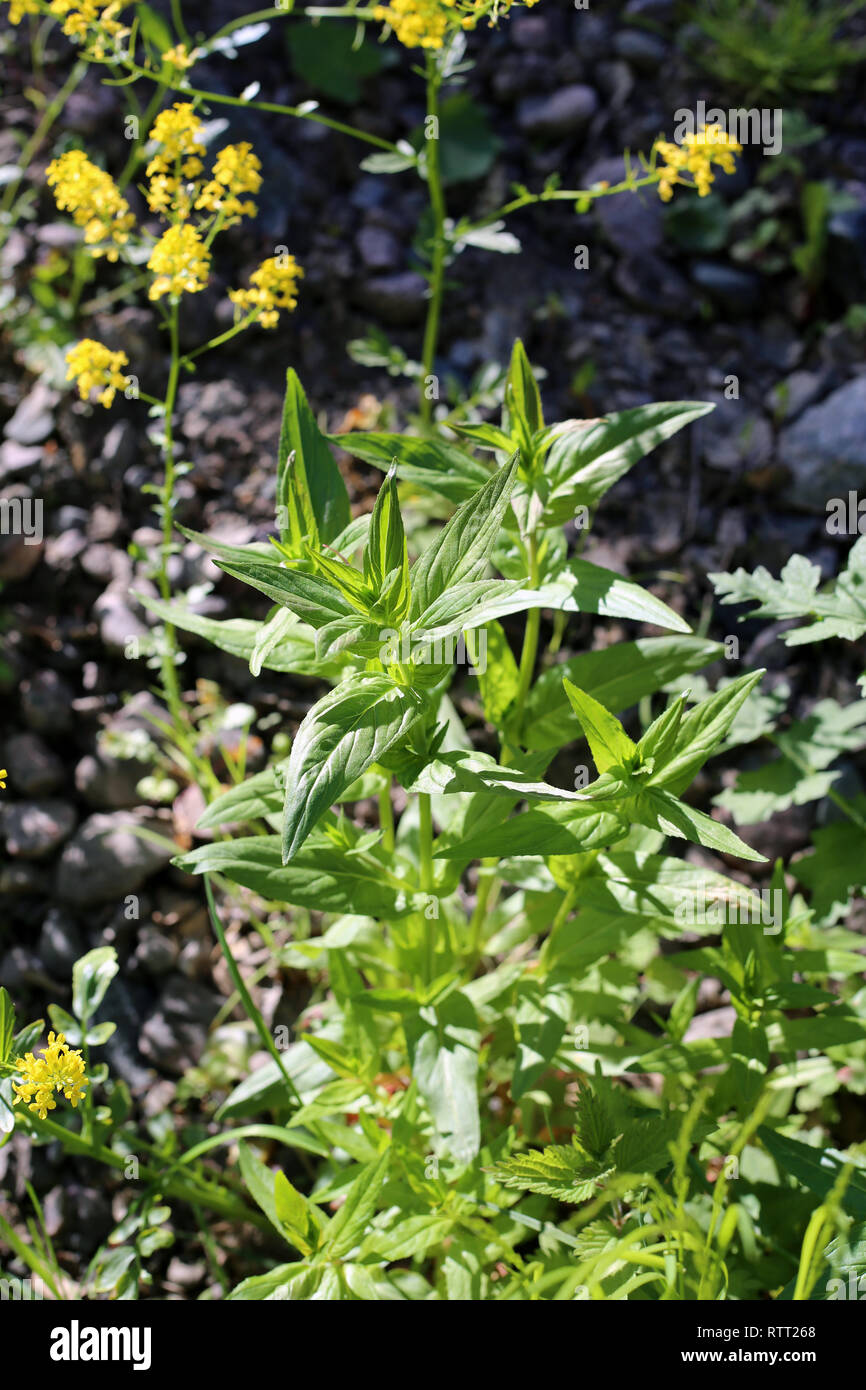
773	49
487	976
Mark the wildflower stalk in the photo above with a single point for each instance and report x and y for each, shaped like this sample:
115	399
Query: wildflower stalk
433	173
49	116
189	1189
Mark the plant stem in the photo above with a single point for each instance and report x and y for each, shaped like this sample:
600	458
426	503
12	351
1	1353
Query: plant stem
437	269
49	116
386	818
425	861
169	651
529	650
252	1013
191	1190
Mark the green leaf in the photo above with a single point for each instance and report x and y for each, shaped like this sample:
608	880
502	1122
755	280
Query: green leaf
589	456
616	676
91	976
313	458
7	1025
252	642
581	587
662	811
499	680
341	736
542	1017
292	1213
815	1169
312	598
321	876
460	552
259	1180
522	396
838	610
332	60
467	144
351	1223
433	464
443	1042
701	731
608	741
566	829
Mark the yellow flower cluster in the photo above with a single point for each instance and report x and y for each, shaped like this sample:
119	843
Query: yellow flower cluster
83	20
691	163
235	171
95	201
60	1068
19	8
425	23
272	287
95	367
180	261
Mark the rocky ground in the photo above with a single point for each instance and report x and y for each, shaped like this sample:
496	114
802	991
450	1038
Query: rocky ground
652	318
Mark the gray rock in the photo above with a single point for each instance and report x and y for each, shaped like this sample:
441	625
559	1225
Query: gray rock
789	398
378	248
46	702
109	784
60	942
566	112
18	879
825	449
117	622
737	291
397	299
17	458
631	222
35	829
109	857
118	448
643	52
33	421
32	767
174	1036
155	951
650	283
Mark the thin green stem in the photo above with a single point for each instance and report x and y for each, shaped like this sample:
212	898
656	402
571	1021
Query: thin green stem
529	651
49	116
438	243
425	863
191	1189
386	818
252	1013
145	123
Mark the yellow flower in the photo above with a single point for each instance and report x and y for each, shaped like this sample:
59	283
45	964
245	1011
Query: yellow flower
272	287
177	131
60	1068
425	23
691	163
235	171
3	776
181	262
94	366
95	201
179	56
19	8
93	19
